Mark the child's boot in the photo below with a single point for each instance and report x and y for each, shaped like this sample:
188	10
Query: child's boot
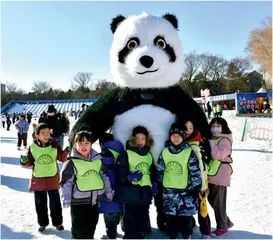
41	228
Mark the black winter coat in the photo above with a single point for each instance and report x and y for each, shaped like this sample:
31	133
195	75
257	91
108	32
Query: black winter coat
58	123
125	191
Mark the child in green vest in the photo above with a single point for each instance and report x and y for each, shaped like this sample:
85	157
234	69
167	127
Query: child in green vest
135	183
178	170
42	155
83	185
195	140
219	173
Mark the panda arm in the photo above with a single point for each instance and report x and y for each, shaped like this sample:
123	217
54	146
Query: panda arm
99	117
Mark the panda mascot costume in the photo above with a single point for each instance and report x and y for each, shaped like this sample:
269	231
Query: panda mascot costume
146	60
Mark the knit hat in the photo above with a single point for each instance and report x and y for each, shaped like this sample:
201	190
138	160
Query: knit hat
40	126
51	109
179	129
140	129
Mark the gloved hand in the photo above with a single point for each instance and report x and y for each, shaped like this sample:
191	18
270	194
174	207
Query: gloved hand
23	159
154	189
135	176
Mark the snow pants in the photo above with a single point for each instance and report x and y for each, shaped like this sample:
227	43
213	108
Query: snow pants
54	205
135	221
176	224
111	221
84	220
218	200
22	137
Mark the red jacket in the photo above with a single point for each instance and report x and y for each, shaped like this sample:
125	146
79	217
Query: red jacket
46	183
195	136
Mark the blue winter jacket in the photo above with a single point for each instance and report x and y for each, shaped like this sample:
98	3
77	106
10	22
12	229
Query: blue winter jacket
109	162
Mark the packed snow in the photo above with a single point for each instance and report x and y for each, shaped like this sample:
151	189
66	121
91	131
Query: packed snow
249	203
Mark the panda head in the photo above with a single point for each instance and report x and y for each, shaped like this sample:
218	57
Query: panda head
146	51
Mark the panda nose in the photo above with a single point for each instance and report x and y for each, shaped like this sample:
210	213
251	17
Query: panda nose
146	61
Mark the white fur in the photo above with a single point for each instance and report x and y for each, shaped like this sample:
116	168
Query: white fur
146	28
155	119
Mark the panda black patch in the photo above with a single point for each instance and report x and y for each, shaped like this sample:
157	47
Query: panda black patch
167	48
130	45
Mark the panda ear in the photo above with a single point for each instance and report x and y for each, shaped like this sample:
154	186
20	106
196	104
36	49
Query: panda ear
115	22
172	19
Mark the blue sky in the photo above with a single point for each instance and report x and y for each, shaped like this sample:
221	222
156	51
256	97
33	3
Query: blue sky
52	41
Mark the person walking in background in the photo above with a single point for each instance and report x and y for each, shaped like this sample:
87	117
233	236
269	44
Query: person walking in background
29	117
3	119
22	128
8	122
13	118
218	110
57	122
209	109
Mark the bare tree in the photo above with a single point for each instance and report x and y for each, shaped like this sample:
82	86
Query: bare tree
192	64
218	68
205	63
237	68
12	87
259	47
103	87
40	87
82	80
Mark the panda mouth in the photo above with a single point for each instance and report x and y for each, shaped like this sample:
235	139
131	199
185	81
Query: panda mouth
147	72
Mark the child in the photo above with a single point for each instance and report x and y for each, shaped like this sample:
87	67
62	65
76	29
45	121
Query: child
112	211
22	127
43	155
194	139
135	176
178	170
83	183
219	173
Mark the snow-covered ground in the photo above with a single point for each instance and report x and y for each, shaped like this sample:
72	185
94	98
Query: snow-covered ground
249	197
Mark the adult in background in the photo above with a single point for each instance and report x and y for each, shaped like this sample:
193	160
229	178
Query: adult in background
3	119
29	117
57	122
8	122
22	128
209	109
13	118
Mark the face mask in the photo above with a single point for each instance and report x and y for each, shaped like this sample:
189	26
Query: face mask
215	130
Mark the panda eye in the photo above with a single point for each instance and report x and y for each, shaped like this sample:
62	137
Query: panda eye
161	43
132	44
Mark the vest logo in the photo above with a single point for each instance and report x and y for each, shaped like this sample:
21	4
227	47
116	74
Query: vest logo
174	168
90	173
144	168
45	159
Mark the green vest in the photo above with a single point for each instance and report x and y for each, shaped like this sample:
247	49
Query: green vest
141	163
214	110
45	161
115	153
176	168
214	165
218	108
88	175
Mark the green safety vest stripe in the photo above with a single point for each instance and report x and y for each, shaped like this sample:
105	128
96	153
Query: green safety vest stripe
45	161
141	163
176	168
88	174
214	165
115	153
